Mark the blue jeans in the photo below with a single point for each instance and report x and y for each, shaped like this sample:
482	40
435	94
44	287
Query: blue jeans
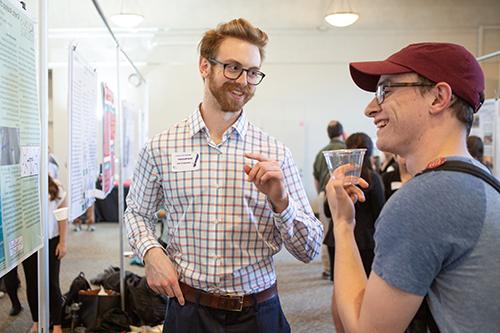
266	317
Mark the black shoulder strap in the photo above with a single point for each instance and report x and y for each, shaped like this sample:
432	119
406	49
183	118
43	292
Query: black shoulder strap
469	168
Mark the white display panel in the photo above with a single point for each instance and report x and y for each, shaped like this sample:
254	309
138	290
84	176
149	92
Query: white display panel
82	161
20	130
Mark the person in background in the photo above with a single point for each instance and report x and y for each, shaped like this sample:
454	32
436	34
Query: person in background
57	250
475	147
335	132
438	235
395	176
53	165
87	218
11	284
233	197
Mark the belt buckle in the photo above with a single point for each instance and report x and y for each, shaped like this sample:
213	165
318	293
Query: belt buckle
231	303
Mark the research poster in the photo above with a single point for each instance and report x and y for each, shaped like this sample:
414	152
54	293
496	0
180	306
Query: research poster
108	141
82	104
486	125
130	114
20	223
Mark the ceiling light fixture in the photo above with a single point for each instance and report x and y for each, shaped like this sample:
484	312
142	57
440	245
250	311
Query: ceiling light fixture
340	14
126	19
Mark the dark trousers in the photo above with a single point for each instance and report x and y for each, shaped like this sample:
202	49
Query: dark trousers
266	317
366	257
30	266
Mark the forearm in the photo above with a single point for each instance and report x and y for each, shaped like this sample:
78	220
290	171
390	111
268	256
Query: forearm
140	231
300	231
63	228
349	276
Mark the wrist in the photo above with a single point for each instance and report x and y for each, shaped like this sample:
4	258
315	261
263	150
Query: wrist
280	205
151	253
343	226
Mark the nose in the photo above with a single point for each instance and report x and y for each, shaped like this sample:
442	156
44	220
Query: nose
243	78
372	108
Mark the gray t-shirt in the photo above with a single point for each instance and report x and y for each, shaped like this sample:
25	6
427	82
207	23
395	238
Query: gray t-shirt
440	235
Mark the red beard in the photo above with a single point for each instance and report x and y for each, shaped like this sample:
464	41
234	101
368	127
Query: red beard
223	95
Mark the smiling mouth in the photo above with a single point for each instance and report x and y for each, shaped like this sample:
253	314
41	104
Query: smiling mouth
381	123
239	95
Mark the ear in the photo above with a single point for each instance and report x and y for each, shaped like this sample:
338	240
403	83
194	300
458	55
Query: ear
204	67
442	97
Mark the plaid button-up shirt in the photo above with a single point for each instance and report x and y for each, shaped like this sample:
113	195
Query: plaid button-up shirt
222	232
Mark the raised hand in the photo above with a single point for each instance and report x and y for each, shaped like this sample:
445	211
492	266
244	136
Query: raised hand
268	178
342	194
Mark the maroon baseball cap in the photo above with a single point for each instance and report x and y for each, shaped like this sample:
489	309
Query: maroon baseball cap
438	62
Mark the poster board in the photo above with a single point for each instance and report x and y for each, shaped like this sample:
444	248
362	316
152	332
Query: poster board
130	135
108	140
20	137
82	161
486	125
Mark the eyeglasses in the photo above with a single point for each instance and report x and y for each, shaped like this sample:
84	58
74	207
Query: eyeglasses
233	71
381	88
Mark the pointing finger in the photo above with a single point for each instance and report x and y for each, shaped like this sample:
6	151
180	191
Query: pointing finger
256	156
178	292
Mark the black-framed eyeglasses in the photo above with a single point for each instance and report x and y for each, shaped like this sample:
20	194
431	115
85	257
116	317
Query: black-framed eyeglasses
382	88
233	71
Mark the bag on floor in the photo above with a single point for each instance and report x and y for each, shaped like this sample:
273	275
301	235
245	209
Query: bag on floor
94	305
71	301
142	306
114	320
150	308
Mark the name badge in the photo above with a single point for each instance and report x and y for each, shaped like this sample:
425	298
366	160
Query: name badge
182	161
396	185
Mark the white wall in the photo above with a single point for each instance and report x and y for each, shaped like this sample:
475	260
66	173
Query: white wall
307	84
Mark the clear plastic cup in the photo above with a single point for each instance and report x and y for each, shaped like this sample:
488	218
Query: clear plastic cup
338	157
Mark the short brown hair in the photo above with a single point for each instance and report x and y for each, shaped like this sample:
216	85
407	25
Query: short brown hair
463	111
237	28
334	129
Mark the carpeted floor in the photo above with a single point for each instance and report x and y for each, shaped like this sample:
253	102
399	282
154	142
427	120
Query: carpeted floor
304	295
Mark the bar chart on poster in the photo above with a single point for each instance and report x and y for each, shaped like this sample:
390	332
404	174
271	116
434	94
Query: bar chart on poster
82	103
20	130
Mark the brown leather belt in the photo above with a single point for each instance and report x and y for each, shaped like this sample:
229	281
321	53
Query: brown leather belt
226	302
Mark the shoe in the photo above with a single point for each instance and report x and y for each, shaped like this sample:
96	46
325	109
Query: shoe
15	310
77	228
136	261
325	276
90	228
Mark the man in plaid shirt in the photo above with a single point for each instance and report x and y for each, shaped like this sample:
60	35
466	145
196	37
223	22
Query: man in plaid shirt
233	196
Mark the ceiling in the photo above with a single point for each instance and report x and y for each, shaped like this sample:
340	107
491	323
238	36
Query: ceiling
171	24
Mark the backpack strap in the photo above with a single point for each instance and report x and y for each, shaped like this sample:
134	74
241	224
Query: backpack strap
464	167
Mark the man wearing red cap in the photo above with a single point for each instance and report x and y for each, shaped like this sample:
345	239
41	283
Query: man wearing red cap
439	235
